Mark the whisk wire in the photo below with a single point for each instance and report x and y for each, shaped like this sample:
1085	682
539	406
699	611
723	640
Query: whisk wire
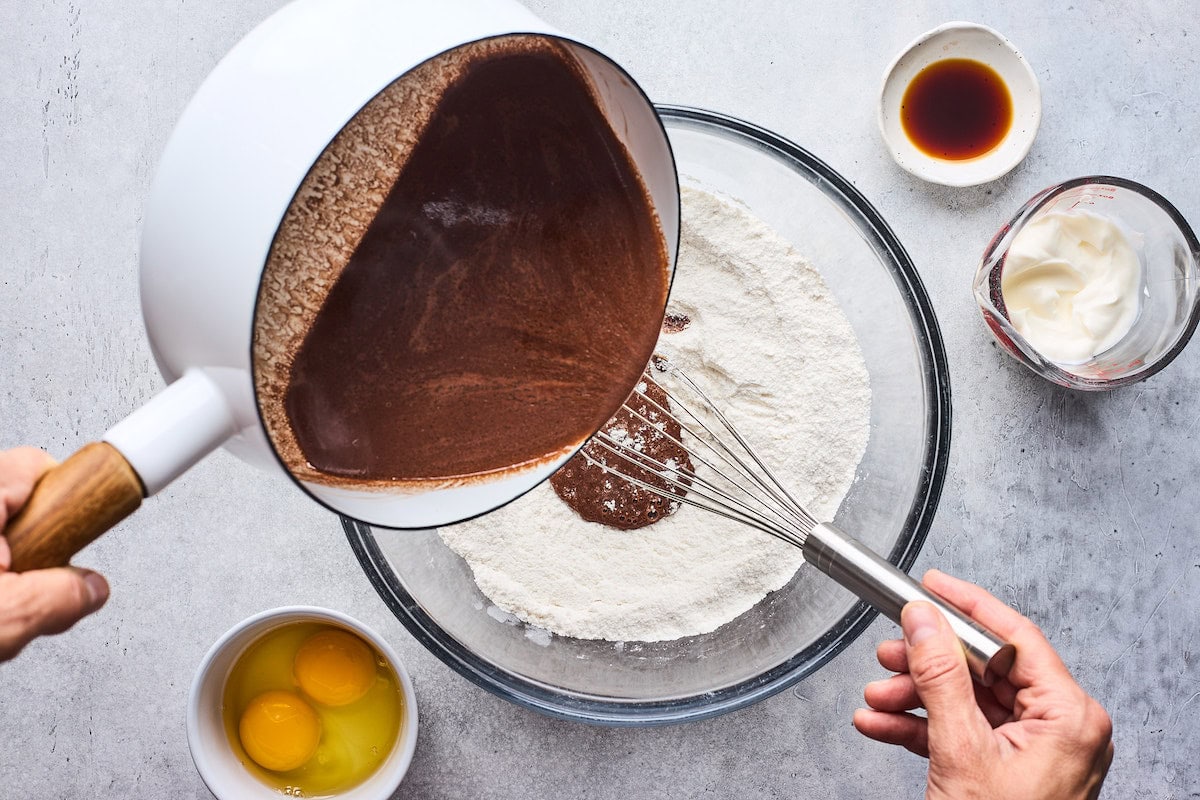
693	490
793	503
746	484
786	507
781	513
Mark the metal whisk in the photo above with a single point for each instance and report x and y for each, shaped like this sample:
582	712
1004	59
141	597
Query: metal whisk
730	479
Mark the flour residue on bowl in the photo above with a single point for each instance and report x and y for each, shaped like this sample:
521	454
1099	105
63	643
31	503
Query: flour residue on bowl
769	344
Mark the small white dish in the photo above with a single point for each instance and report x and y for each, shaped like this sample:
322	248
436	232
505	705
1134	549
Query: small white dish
215	759
979	43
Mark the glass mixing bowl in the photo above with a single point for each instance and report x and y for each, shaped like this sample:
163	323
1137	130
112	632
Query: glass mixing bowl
802	626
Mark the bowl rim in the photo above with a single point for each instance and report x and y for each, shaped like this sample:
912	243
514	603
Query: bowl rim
970	172
936	384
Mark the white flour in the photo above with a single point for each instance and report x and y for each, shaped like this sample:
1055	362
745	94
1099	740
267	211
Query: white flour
770	346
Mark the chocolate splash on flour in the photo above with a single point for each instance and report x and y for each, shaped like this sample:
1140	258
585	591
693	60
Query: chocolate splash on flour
674	322
601	495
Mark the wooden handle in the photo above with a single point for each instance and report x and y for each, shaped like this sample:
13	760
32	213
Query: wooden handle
71	505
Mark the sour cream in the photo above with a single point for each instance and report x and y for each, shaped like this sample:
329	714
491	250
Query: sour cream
1071	283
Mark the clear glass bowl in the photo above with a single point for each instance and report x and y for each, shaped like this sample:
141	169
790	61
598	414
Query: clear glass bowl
1170	301
798	628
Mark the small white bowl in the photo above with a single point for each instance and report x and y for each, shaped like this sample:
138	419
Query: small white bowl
216	761
979	43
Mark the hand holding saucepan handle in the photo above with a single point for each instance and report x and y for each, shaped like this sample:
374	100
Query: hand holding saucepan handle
71	505
104	482
37	601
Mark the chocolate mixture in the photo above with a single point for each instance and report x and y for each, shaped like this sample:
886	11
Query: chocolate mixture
503	300
591	483
674	323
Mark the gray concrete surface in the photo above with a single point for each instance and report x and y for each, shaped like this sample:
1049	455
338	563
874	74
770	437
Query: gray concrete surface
1079	509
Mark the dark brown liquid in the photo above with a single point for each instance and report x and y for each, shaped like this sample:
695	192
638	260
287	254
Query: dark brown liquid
956	109
590	481
502	302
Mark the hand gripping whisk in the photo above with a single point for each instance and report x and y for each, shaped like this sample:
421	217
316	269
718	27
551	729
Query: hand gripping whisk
730	479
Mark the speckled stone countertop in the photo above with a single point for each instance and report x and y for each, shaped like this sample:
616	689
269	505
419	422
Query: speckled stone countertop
1079	509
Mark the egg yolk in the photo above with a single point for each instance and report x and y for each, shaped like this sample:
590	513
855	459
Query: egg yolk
279	731
334	667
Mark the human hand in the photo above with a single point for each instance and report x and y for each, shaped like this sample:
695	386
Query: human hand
41	601
1035	735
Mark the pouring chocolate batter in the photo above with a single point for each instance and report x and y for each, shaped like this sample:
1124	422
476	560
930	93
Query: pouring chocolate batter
482	277
459	289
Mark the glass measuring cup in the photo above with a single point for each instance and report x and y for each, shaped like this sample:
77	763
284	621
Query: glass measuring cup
1169	255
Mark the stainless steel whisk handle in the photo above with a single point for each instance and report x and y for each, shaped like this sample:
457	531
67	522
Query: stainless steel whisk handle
877	581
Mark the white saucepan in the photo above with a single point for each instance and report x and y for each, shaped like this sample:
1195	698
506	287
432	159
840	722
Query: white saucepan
228	174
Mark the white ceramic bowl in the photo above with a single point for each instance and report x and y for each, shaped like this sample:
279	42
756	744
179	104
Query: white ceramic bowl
216	761
979	43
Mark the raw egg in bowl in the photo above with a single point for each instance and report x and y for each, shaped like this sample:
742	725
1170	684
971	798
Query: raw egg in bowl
302	702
